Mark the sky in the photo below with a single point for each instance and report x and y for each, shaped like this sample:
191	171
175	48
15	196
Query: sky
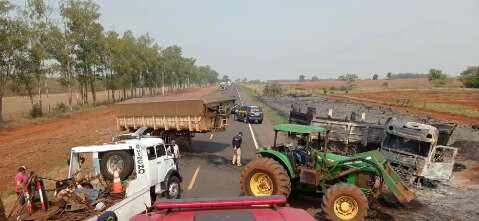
279	39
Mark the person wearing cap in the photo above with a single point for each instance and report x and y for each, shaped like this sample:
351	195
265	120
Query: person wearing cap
21	180
237	149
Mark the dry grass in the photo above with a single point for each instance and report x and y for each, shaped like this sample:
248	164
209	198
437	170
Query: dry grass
18	107
369	85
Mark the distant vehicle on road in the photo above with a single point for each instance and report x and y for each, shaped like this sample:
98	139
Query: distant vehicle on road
225	209
235	108
249	114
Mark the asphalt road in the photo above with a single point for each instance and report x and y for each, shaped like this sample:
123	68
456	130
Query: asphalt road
207	170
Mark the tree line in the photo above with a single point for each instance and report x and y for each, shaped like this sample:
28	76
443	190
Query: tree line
67	42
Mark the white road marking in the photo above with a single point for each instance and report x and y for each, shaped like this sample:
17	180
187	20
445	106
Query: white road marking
193	179
249	125
252	135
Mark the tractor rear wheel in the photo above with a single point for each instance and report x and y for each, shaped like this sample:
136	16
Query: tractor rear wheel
265	177
345	202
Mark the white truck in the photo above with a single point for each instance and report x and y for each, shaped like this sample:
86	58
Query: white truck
145	164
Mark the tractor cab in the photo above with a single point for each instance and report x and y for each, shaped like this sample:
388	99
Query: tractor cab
307	138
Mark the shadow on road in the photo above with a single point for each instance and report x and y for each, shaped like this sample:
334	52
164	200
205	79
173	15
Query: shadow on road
200	146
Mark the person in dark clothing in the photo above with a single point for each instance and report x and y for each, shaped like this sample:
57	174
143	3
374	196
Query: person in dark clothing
237	140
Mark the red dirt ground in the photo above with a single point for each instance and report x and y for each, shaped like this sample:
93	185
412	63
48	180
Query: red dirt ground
45	147
469	98
468	177
368	84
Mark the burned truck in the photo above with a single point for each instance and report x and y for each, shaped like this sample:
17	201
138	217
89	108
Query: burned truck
171	117
415	150
412	149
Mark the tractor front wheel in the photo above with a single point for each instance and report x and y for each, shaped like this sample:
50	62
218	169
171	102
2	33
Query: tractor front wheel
265	177
345	202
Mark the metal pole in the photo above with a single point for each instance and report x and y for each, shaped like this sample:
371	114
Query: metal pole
275	137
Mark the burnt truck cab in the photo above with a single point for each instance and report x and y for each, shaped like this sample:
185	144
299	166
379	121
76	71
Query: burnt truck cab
411	148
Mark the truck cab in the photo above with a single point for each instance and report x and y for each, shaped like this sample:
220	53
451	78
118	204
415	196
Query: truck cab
412	150
144	165
249	114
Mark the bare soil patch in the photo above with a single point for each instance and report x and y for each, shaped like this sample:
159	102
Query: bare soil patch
369	85
419	101
44	147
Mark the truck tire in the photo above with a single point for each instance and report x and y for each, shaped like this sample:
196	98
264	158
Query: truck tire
119	159
108	216
265	177
173	190
345	202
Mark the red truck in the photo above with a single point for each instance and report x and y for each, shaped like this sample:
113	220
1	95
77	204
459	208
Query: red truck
270	208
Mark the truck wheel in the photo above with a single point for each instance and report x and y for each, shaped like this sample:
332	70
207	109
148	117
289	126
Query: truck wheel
265	177
344	202
174	189
121	160
108	216
260	121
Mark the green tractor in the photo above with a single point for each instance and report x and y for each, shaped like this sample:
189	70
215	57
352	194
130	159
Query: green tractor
347	182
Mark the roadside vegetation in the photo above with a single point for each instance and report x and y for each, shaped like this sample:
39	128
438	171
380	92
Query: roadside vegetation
274	116
63	41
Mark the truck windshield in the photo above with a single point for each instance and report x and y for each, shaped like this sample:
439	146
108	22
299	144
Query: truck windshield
255	109
407	145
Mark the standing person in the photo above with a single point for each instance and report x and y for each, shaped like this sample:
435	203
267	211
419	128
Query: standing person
237	149
175	151
21	180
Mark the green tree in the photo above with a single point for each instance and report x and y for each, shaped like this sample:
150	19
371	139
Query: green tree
302	77
375	77
389	75
33	66
11	45
86	33
348	77
436	74
470	77
225	78
350	81
315	78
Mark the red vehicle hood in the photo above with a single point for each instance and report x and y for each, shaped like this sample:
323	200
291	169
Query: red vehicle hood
243	214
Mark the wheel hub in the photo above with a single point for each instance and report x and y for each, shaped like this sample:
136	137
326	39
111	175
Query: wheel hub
173	190
261	184
345	208
115	163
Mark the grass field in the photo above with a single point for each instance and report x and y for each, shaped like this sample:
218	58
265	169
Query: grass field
369	85
462	102
414	94
18	107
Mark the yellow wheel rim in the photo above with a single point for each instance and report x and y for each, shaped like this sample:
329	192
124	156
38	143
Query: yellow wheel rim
346	208
261	184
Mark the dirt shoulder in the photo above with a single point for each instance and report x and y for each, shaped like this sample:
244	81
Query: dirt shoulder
44	147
